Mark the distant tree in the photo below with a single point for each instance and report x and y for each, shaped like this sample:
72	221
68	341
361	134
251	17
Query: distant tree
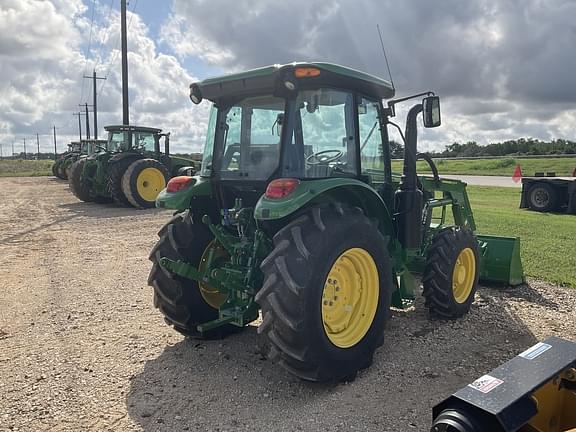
521	146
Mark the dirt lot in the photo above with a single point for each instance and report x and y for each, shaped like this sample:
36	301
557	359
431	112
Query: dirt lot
82	348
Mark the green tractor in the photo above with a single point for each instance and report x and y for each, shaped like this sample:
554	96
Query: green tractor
132	171
59	166
296	213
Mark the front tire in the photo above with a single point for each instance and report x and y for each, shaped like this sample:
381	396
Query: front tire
179	299
451	274
143	181
326	294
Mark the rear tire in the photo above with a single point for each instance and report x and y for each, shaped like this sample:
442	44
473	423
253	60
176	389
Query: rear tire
62	171
79	187
542	197
115	173
299	319
451	274
179	299
143	181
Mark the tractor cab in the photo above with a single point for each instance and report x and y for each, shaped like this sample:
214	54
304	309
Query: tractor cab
91	146
75	147
139	139
304	121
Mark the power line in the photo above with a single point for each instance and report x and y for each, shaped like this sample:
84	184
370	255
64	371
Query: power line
101	41
88	48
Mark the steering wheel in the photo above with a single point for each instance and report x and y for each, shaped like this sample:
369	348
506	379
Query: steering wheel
324	157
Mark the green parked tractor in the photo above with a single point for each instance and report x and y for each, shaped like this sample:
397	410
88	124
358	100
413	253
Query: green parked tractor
297	214
133	169
76	150
58	168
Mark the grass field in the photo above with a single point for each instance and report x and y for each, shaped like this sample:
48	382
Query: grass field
498	167
547	240
25	168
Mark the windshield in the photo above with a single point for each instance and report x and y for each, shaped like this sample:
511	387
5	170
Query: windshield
322	142
320	136
250	143
117	141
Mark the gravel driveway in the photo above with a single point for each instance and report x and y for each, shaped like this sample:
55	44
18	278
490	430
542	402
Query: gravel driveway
82	348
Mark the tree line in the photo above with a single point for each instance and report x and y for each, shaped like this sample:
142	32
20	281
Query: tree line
518	147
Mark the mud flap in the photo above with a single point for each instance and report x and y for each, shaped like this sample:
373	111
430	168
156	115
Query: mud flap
500	261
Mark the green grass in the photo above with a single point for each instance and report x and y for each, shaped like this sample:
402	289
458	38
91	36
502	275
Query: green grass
499	167
547	240
25	168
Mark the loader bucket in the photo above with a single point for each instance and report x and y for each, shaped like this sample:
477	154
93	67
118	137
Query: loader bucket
500	260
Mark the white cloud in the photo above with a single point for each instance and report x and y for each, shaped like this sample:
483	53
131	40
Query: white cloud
43	59
489	59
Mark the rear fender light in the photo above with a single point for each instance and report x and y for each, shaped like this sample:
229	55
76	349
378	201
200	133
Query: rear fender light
176	184
281	188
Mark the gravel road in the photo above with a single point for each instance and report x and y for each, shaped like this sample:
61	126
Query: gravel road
82	348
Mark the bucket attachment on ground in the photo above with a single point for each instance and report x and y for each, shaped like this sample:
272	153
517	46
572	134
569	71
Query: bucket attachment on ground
533	392
500	261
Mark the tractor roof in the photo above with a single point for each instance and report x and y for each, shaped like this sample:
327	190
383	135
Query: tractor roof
100	141
273	78
131	128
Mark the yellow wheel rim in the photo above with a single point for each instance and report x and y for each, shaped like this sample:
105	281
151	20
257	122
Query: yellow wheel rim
149	183
464	275
211	295
350	297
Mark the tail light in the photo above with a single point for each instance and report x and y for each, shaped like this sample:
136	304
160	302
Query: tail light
178	183
281	188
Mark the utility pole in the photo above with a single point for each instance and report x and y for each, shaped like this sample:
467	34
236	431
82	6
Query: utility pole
24	148
125	113
79	114
1	153
95	101
87	120
55	154
38	146
12	148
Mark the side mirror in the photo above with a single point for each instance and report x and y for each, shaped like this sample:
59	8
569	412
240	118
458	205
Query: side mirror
431	111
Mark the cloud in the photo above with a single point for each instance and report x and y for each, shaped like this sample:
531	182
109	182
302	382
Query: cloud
44	55
488	58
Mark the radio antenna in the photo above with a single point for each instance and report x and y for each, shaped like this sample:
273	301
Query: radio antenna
385	56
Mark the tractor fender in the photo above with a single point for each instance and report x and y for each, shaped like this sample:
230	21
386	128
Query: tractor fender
196	196
312	192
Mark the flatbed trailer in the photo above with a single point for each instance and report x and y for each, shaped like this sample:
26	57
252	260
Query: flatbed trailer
549	194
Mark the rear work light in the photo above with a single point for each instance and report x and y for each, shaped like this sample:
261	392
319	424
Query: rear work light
178	183
281	188
306	72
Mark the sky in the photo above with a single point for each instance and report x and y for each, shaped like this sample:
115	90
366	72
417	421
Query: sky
504	69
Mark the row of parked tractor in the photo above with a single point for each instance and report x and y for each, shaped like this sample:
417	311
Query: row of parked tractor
129	168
